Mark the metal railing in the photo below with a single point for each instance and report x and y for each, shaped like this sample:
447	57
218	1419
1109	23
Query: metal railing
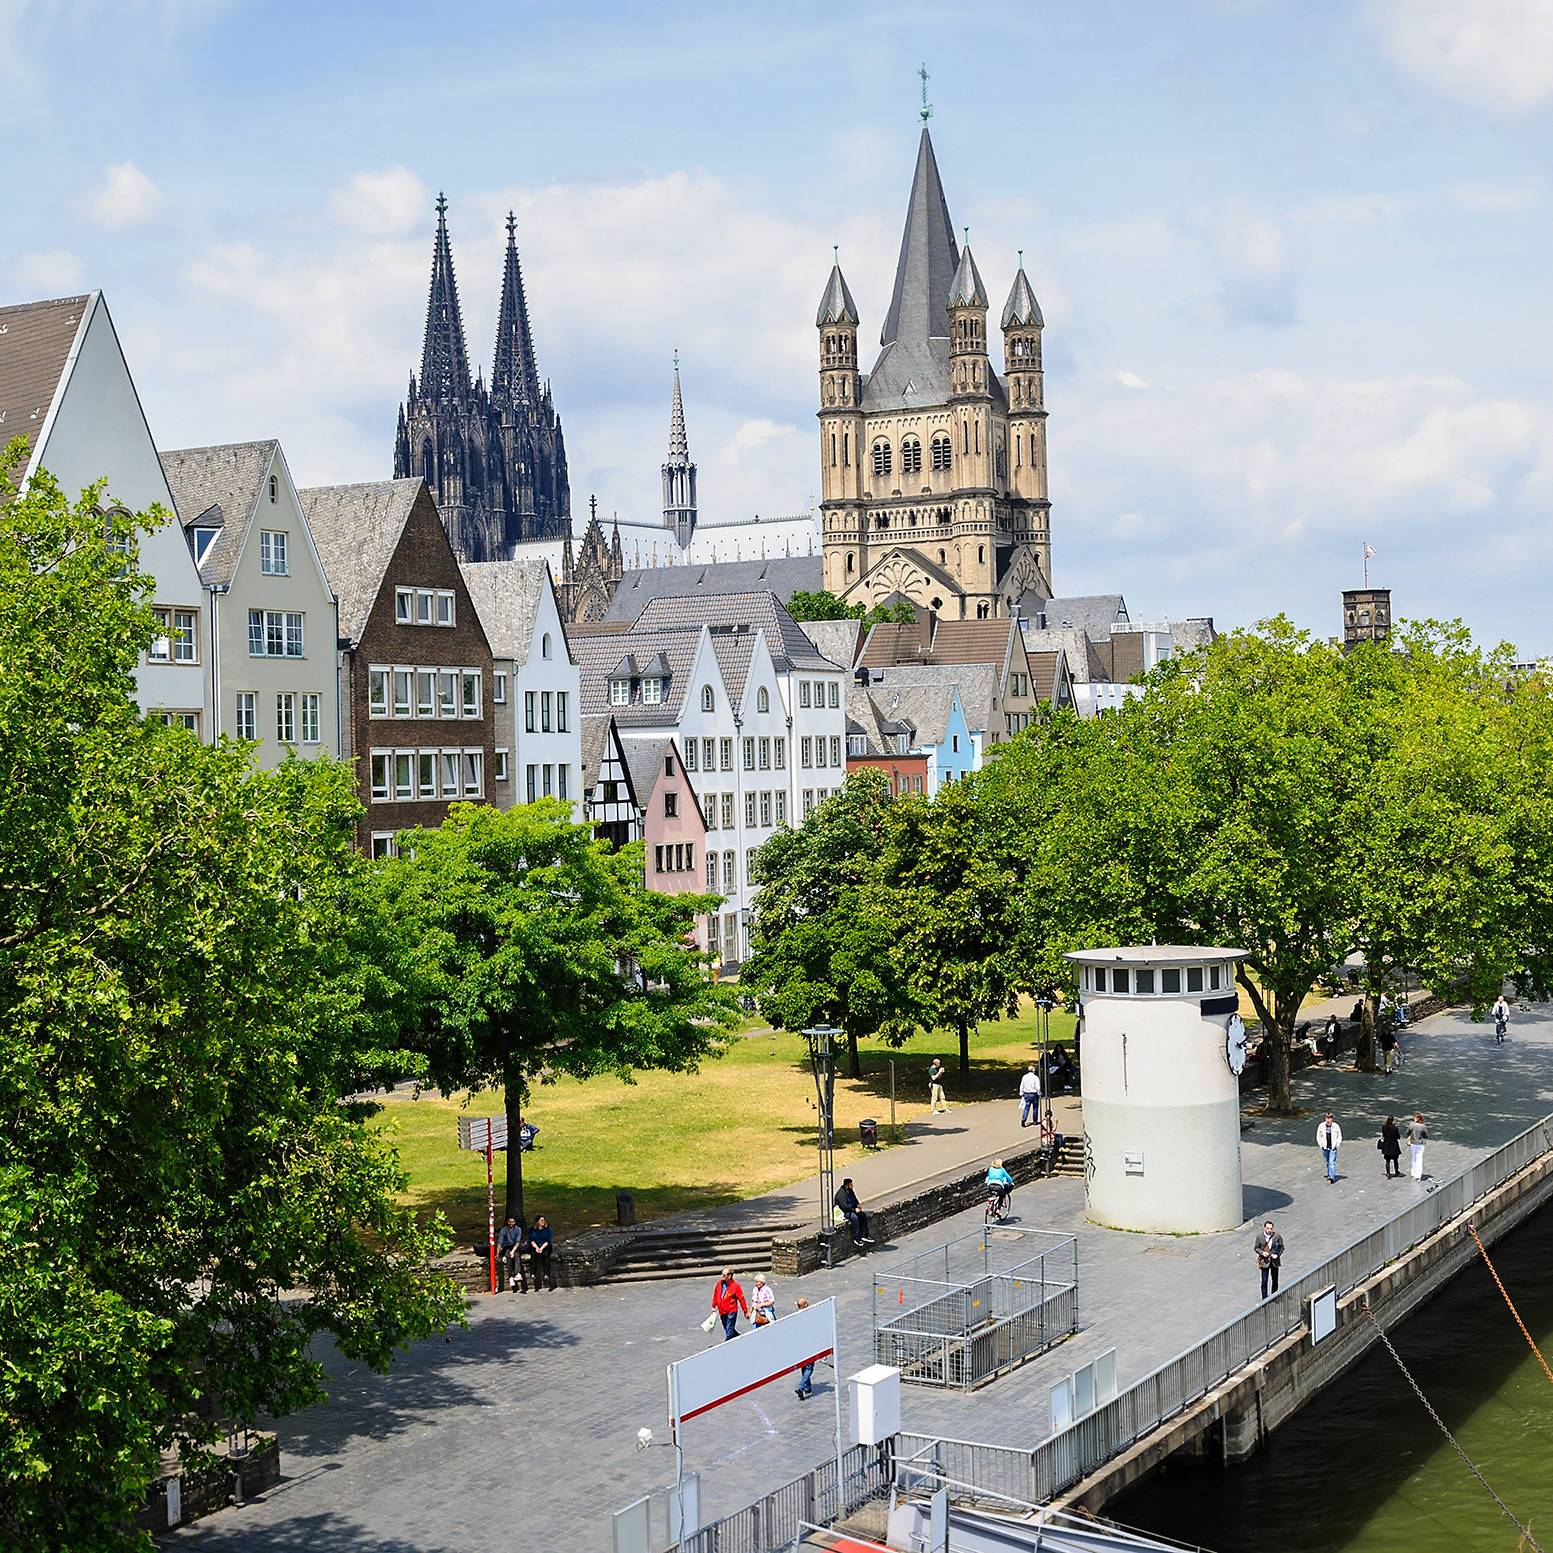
961	1313
1039	1474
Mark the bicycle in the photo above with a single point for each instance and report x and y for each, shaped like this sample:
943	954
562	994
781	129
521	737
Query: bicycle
999	1200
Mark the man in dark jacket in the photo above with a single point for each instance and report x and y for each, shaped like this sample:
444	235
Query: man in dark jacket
846	1201
511	1243
1269	1253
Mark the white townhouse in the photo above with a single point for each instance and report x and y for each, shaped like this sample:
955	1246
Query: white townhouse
273	621
65	386
758	713
538	713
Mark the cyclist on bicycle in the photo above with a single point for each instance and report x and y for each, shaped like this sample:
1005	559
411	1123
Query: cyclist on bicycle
999	1185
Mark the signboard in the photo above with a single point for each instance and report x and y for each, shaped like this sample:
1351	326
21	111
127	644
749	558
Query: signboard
1323	1314
761	1355
482	1132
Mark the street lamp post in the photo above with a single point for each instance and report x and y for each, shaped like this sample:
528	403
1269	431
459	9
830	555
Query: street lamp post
819	1039
1045	1003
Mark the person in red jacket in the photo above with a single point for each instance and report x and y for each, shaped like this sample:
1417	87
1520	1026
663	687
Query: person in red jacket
728	1301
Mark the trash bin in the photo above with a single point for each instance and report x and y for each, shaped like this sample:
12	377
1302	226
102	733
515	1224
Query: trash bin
869	1129
625	1208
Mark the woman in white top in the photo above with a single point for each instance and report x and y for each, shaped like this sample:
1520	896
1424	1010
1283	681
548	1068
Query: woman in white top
761	1301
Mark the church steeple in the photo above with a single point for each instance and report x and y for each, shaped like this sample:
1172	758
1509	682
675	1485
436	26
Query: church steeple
444	356
679	474
928	259
515	379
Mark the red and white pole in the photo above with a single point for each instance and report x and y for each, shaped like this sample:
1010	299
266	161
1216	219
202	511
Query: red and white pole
490	1204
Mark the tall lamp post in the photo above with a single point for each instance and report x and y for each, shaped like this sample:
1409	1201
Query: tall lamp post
819	1039
1045	1002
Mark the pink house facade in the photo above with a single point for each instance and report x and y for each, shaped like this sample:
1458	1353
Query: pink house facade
673	828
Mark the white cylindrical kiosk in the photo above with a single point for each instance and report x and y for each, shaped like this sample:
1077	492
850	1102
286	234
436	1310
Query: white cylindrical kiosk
1160	1057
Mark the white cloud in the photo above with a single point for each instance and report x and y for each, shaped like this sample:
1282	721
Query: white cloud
1493	199
1494	53
385	204
127	198
1259	275
1130	380
750	438
40	275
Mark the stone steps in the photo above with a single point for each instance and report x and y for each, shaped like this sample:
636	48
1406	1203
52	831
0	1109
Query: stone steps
689	1253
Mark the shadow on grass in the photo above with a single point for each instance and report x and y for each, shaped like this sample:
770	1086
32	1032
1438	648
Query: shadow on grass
570	1209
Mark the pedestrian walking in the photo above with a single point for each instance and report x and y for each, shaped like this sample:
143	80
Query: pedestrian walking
541	1243
935	1086
1269	1254
510	1241
1387	1041
762	1298
805	1387
727	1301
1029	1097
1417	1135
1390	1145
1501	1018
1329	1139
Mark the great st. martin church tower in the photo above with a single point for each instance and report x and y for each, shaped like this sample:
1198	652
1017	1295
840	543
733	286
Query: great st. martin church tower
933	467
494	458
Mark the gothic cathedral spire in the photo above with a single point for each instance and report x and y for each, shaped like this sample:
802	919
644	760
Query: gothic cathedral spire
679	474
444	356
515	379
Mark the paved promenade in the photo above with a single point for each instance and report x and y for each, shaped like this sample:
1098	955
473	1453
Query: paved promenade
521	1430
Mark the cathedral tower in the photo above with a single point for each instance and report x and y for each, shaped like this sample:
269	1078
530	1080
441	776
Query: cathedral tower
679	474
495	460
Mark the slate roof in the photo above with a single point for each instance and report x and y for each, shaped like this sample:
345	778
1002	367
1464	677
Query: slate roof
926	707
973	641
506	597
785	640
1094	614
644	759
967	289
837	640
977	684
836	306
220	485
595	739
597	656
864	717
36	339
1083	657
1021	307
1043	674
781	575
356	529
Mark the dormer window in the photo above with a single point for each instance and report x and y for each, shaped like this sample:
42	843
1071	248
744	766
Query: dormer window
620	692
652	691
204	538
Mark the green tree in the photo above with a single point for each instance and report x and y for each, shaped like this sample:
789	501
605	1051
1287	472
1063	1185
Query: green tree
173	1035
524	948
820	949
826	606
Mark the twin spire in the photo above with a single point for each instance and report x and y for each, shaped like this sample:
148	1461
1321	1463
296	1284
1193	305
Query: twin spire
445	376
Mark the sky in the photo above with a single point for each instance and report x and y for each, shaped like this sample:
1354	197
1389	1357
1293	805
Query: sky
1293	257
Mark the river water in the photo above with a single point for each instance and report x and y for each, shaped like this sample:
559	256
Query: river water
1364	1469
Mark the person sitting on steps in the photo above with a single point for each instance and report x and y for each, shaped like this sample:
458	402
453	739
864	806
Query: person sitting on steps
846	1200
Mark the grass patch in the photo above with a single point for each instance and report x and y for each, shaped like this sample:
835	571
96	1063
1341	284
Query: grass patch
744	1124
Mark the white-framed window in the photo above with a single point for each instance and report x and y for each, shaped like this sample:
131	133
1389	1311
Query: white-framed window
382	844
561	698
444	608
312	717
426	773
803	693
749	866
711	870
404	775
749	811
247	715
425	693
544	711
274	633
857	744
547	780
835	750
533	783
808	802
499	773
833	696
725	754
403	683
730	872
620	692
474	773
762	700
382	760
425	606
563	781
272	553
765	811
709	809
652	691
499	690
819	751
189	720
806	753
749	754
690	754
671	805
186	643
161	648
447	692
404	606
954	742
286	717
377	691
765	754
708	754
708	699
781	807
727	811
471	684
530	697
451	770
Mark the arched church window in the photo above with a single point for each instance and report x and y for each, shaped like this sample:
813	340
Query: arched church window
911	456
981	610
849	563
762	700
943	560
981	555
708	699
882	458
833	450
941	451
428	463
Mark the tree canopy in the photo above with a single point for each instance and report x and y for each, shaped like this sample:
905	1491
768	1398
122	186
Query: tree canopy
175	1033
821	605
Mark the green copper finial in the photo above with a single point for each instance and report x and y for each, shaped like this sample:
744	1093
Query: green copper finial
1021	253
676	358
927	107
967	232
835	253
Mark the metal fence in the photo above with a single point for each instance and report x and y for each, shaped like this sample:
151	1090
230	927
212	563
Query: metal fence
961	1313
817	1498
1037	1475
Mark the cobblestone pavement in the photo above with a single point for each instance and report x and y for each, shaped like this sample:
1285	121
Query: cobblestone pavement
520	1430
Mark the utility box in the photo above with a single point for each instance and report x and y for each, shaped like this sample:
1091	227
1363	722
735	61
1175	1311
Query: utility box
876	1404
1163	1049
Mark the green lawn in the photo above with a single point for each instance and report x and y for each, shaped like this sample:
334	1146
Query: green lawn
744	1124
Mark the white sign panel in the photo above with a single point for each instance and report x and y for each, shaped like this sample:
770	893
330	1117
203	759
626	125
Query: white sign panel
758	1357
474	1131
1323	1314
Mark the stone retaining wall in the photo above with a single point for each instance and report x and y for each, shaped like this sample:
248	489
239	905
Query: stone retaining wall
203	1489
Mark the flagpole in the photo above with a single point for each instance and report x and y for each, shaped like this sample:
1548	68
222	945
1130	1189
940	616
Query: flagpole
1364	545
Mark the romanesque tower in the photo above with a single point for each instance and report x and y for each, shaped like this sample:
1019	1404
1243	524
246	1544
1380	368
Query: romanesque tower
933	470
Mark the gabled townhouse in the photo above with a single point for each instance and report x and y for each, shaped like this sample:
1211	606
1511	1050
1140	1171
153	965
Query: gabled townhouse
887	744
416	670
673	827
929	712
755	708
609	799
976	697
538	751
66	387
273	626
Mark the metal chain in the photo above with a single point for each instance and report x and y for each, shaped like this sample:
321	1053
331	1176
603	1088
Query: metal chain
1472	1228
1527	1540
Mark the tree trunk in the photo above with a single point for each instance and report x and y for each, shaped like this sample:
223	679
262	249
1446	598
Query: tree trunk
513	1090
1278	1023
1365	1047
854	1066
965	1057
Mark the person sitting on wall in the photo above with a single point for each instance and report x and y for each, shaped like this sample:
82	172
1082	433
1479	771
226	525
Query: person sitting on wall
850	1208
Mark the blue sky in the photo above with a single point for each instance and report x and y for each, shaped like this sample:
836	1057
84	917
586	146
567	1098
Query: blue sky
1292	257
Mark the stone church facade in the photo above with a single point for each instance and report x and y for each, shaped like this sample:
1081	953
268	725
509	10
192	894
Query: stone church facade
933	466
494	458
